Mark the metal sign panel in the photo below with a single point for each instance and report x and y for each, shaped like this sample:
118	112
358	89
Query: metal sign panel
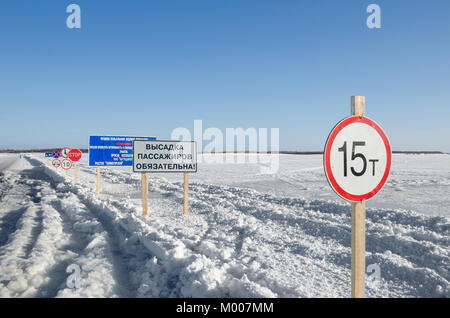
165	156
112	150
357	158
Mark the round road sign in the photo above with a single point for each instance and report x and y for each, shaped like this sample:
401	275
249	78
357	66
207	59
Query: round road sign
357	158
56	163
66	164
64	152
74	155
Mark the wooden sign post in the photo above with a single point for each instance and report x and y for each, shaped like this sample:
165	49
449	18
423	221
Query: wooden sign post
98	180
144	193
186	194
75	156
358	224
357	161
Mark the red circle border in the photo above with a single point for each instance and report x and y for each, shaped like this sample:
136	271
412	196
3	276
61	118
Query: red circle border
329	174
61	151
54	161
67	160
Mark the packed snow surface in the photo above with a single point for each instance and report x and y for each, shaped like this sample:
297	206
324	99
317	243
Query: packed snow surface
248	233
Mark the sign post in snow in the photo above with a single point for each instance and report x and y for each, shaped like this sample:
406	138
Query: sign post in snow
164	156
357	161
75	156
48	155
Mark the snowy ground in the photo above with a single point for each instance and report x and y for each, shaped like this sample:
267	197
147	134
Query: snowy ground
248	234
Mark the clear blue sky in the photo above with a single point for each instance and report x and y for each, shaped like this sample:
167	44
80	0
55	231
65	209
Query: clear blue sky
147	67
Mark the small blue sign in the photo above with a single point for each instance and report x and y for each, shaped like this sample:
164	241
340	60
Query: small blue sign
48	154
56	154
112	150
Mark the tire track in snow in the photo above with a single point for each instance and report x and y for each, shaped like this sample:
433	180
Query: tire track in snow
20	233
31	250
4	185
84	236
8	224
19	223
115	239
37	229
37	253
72	247
140	260
127	257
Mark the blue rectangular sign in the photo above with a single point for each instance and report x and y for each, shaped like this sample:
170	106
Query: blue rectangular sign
48	154
112	150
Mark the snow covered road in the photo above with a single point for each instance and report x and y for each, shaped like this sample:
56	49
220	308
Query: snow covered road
7	162
236	242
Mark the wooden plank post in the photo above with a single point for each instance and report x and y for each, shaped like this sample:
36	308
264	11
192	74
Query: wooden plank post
98	180
75	173
358	225
186	194
144	193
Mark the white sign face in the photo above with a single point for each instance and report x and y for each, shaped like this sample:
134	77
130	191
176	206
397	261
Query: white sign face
66	164
357	158
56	163
164	156
65	152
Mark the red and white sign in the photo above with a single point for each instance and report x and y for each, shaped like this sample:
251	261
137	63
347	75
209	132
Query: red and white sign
357	158
74	155
56	163
66	164
64	152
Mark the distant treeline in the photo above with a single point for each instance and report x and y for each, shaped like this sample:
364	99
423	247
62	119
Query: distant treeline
421	152
35	150
281	152
394	152
321	152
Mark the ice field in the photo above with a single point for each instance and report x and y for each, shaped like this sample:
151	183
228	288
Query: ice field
248	234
